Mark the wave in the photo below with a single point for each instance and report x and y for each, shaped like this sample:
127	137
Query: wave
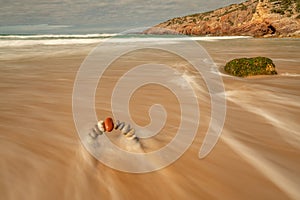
19	43
52	39
53	36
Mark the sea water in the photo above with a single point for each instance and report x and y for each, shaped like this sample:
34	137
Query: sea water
42	156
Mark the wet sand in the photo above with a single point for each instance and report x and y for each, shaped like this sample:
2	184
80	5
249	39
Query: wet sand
257	156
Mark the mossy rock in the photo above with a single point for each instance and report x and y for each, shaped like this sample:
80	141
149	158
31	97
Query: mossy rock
250	66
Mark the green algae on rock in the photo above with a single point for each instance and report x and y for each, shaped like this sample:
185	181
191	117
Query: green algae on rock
250	66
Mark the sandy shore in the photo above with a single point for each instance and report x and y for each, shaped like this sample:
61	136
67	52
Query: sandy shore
257	156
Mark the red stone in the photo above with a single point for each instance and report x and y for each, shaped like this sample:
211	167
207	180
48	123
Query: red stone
108	124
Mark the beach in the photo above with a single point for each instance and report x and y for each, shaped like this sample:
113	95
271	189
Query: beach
256	157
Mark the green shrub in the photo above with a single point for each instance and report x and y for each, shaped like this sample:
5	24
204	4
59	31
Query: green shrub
243	7
279	11
298	6
250	66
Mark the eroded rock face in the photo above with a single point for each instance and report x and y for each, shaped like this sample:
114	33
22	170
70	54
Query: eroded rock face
250	66
257	18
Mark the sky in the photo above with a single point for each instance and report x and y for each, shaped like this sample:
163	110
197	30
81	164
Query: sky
94	16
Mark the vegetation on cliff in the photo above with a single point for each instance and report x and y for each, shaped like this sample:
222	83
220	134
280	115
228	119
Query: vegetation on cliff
250	66
258	18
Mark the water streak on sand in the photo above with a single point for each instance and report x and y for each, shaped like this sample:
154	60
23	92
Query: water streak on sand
288	128
257	157
267	168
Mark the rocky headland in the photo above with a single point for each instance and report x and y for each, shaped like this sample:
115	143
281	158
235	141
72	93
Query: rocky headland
257	18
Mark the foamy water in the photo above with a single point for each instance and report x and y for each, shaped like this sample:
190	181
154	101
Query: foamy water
32	40
290	74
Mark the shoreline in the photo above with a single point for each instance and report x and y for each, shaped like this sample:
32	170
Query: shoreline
89	39
259	143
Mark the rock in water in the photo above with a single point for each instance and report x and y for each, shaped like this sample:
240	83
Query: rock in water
250	66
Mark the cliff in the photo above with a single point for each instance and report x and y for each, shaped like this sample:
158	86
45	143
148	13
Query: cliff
257	18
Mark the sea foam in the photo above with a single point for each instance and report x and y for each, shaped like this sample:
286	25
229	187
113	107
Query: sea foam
50	39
